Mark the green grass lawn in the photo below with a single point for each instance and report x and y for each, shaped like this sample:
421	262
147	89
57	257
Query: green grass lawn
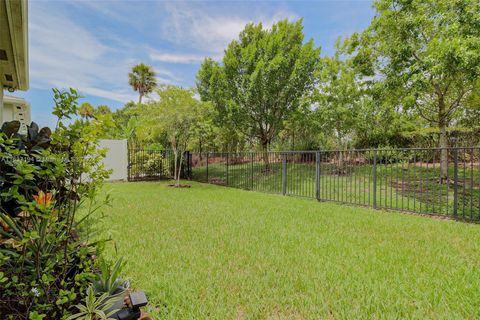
211	252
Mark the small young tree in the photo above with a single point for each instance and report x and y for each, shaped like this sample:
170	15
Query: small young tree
176	114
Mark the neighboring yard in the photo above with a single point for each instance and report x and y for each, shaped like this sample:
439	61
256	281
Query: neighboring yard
221	253
401	186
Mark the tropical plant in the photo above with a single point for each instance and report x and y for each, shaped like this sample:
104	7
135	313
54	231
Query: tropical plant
108	279
142	79
86	110
96	308
45	178
102	109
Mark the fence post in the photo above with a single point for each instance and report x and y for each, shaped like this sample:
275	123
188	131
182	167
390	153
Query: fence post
317	176
284	174
226	168
207	167
375	179
455	181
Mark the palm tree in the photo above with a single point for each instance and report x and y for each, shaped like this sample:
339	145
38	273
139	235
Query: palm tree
142	79
103	109
86	110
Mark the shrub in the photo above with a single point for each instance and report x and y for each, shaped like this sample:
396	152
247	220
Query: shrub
148	163
45	177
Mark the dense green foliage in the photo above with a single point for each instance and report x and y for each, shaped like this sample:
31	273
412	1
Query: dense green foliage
46	259
263	79
226	254
428	55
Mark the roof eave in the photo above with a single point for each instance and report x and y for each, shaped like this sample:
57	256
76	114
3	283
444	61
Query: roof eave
17	12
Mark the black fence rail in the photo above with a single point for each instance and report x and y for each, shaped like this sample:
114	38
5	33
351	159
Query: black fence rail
399	179
144	164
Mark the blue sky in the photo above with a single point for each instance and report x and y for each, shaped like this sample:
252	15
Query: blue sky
92	45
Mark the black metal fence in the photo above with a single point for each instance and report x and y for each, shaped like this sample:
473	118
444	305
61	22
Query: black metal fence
399	179
145	164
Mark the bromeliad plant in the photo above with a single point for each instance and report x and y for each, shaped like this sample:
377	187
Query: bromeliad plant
96	308
108	280
45	177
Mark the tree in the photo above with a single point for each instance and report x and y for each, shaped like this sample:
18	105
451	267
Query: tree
86	110
380	122
103	109
338	97
206	133
142	79
211	85
126	122
176	115
301	131
430	51
472	111
263	79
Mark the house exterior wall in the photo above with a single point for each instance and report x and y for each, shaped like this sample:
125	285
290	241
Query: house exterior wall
15	108
7	112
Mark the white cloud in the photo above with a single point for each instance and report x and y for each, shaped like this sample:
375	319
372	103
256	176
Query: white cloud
164	75
65	54
112	95
208	31
176	57
69	51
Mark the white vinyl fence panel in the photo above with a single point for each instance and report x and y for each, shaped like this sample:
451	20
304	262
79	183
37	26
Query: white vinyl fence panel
116	158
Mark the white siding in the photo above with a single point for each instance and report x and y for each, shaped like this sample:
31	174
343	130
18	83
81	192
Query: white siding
15	108
7	112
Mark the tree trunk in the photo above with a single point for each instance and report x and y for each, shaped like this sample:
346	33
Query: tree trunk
443	144
340	168
443	140
340	162
266	160
293	140
175	165
179	170
140	96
